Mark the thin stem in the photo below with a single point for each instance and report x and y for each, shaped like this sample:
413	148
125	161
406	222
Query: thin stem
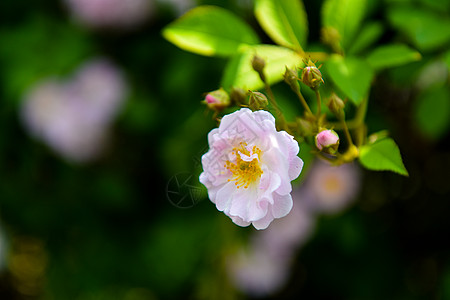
347	132
357	121
303	102
319	103
274	104
361	112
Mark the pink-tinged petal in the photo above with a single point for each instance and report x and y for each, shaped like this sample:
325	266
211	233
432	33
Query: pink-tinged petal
262	116
248	157
212	136
282	205
295	167
269	182
238	221
214	171
246	206
277	164
264	222
204	180
224	197
292	144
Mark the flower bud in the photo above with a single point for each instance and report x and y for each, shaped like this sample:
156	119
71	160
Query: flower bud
257	101
217	100
258	64
336	106
238	96
327	141
311	76
291	78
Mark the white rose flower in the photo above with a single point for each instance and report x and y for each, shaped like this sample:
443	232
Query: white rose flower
249	168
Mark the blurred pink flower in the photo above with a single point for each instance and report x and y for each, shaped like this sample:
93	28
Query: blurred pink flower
264	266
249	167
256	272
285	236
116	14
73	117
99	85
332	188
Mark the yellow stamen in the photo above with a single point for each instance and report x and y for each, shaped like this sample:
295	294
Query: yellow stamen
244	172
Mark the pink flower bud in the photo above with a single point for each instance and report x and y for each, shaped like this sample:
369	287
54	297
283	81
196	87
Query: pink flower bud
217	100
327	141
311	76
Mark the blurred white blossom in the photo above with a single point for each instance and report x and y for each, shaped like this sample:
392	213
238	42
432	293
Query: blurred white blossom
263	267
73	117
256	272
114	14
434	73
331	188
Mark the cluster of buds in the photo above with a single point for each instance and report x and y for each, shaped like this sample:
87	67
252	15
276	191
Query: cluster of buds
311	75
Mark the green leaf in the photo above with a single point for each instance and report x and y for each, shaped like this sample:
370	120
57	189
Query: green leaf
67	46
239	71
426	29
345	16
446	59
432	112
382	155
391	56
352	75
284	21
210	31
368	35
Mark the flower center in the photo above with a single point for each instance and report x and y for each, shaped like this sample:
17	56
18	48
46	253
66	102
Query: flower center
246	169
332	184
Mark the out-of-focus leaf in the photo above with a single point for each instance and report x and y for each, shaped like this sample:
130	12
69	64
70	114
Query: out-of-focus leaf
210	30
239	72
345	16
426	29
368	35
447	59
391	56
284	21
432	112
352	75
382	155
441	5
64	45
